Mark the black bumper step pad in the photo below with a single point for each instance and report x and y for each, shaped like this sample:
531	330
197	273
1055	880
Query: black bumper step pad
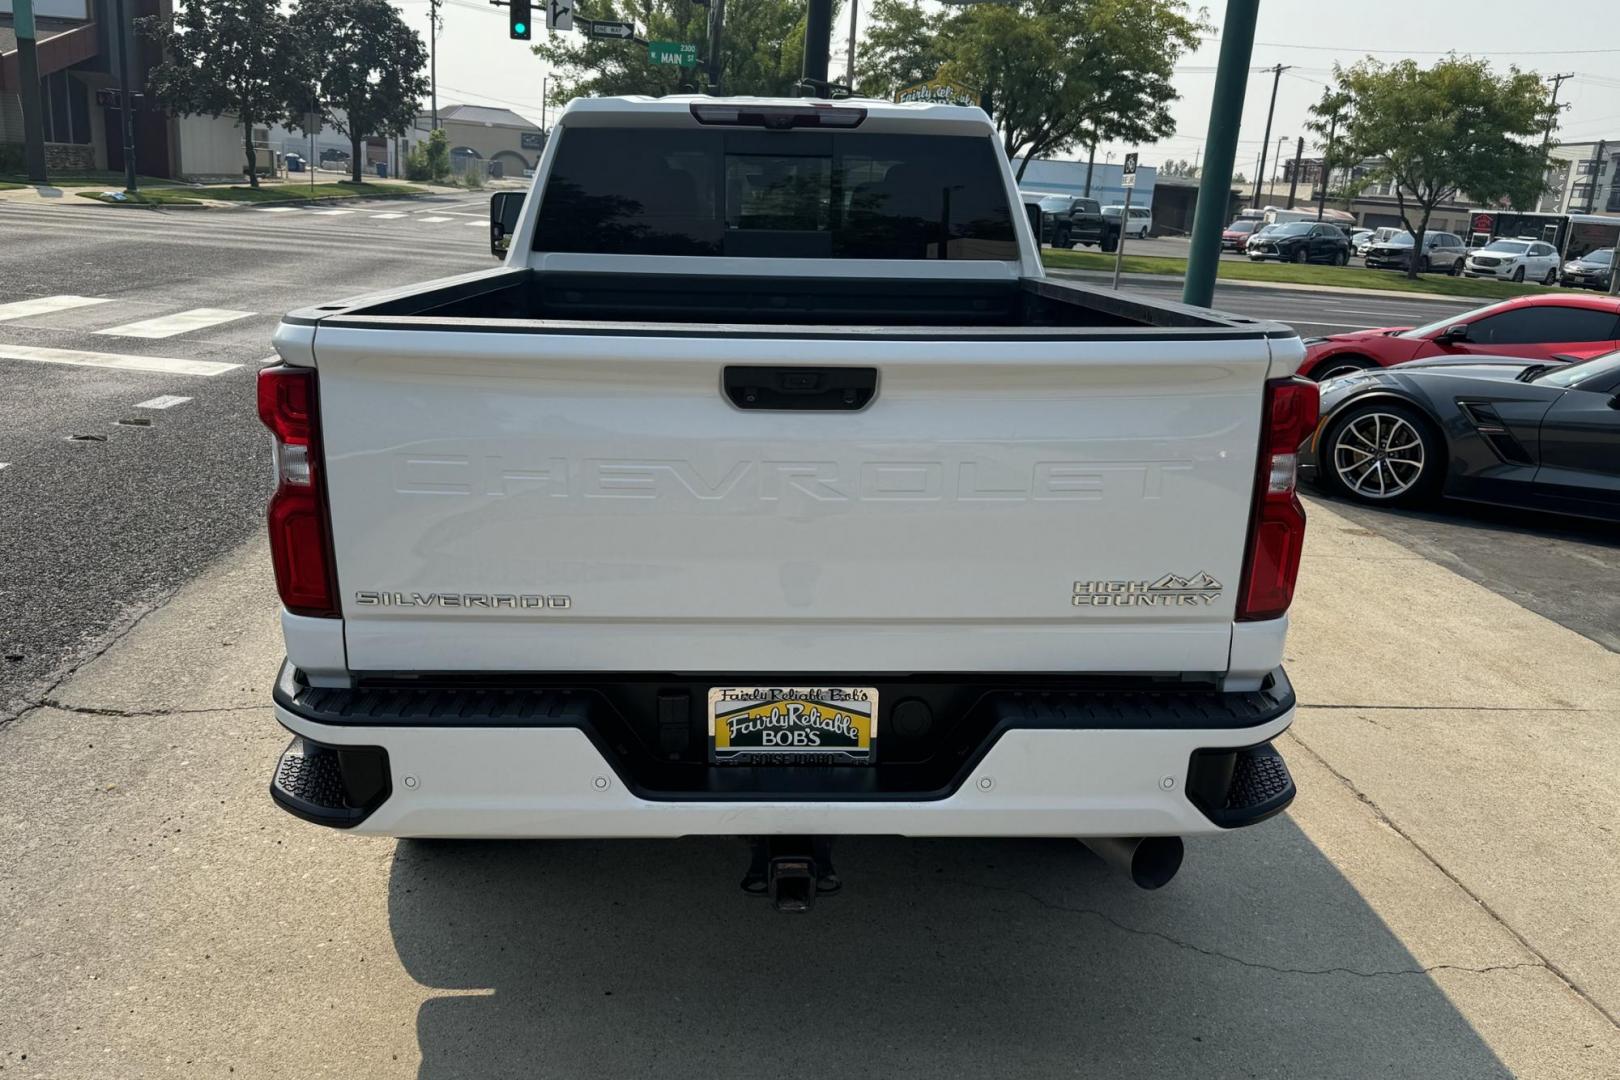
1240	787
330	785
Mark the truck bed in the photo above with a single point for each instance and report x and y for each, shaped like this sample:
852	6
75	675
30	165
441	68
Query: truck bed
535	301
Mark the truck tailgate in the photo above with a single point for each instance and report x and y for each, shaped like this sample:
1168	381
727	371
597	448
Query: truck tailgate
588	501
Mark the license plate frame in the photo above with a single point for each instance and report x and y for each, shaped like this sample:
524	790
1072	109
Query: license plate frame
793	725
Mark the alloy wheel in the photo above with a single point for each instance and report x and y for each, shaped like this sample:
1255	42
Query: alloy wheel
1378	455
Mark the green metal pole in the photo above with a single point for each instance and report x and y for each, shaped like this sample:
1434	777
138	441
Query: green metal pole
1220	148
33	101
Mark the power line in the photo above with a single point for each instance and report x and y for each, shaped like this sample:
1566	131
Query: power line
1430	52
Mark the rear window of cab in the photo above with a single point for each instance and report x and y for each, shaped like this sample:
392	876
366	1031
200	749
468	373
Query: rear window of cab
843	195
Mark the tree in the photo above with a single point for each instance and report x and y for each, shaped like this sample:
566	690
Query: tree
224	56
762	49
1056	73
1455	128
365	66
1328	116
1179	167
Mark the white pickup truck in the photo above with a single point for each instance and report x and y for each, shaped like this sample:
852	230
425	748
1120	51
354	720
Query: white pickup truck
770	489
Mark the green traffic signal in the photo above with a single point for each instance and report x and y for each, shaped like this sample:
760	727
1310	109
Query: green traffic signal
521	28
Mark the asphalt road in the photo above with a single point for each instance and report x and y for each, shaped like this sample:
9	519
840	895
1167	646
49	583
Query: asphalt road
100	518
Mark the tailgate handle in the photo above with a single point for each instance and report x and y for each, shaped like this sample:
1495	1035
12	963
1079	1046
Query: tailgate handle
801	389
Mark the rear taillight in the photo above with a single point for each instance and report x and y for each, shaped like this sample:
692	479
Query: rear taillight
1277	527
300	530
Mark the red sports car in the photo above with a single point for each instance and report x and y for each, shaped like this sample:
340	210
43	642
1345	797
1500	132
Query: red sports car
1539	327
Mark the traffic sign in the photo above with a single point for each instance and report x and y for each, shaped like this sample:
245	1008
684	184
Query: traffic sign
672	52
1130	171
559	14
619	30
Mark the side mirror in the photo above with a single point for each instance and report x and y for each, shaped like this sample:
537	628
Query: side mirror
1456	332
505	207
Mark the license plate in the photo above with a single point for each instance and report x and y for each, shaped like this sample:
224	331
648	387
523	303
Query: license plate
792	725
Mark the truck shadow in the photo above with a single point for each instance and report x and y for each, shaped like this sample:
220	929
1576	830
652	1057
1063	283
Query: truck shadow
940	958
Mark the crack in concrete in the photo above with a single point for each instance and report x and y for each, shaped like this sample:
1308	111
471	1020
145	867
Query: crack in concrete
1216	954
135	714
1545	961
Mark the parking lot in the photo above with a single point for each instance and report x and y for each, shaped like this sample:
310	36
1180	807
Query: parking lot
1438	901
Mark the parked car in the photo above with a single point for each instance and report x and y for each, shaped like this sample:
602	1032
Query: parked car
1259	235
1022	636
331	155
1441	251
1378	236
1537	327
1360	240
1236	235
1542	434
1301	242
1594	270
1068	220
1514	260
1141	220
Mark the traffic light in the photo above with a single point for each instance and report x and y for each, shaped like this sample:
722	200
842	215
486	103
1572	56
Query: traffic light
521	26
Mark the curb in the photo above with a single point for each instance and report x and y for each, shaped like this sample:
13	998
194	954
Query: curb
238	205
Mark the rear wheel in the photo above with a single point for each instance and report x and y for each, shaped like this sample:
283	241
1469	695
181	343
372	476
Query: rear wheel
1335	366
1384	453
1344	258
1552	276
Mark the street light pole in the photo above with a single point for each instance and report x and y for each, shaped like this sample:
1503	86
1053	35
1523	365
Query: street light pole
433	59
1220	148
1265	143
33	102
817	44
126	100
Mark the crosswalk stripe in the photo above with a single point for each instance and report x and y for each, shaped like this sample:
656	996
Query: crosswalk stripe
180	322
432	220
275	209
46	305
375	217
163	401
331	213
116	361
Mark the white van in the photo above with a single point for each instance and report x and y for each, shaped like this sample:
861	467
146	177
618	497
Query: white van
1141	220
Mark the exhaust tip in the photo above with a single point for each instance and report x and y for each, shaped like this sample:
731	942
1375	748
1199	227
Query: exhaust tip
1149	861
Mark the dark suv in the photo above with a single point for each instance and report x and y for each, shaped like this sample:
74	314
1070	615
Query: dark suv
1302	241
1067	220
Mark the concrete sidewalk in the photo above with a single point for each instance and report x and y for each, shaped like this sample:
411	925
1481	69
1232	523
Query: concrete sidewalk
1437	903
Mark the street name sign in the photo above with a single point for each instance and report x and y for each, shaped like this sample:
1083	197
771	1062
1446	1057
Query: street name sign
672	52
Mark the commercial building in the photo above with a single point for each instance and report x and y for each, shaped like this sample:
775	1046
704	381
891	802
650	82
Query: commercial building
485	134
77	49
1581	178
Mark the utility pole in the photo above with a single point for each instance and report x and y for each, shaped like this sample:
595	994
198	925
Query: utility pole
717	20
1327	157
126	99
849	76
1293	184
33	102
1265	144
1597	167
817	43
1546	137
433	59
1220	149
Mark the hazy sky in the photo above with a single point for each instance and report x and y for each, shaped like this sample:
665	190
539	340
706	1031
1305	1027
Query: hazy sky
479	64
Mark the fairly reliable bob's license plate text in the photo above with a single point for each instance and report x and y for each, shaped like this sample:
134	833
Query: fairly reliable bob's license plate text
779	725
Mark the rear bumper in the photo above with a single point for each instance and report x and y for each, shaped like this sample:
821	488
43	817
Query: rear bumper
527	762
